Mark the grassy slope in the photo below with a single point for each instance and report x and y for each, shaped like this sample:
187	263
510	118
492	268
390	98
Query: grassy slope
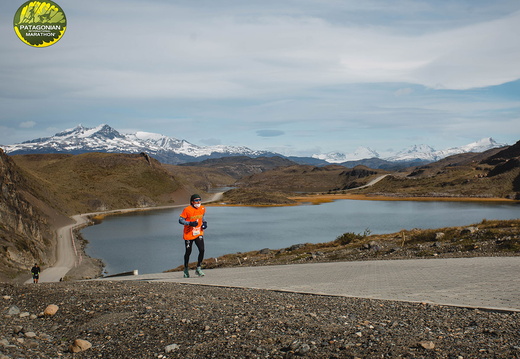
96	181
306	178
274	186
459	181
199	177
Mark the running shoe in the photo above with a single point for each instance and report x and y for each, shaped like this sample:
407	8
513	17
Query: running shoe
199	272
186	273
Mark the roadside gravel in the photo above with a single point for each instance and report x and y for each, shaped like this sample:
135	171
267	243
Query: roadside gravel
172	320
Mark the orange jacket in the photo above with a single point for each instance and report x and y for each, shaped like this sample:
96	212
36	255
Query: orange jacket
191	214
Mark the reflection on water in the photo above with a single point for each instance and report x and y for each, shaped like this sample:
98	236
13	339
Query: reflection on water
152	241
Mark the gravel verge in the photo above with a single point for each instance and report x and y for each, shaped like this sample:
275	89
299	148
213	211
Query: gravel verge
172	320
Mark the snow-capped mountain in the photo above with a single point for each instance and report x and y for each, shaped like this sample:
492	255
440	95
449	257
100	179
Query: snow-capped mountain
481	145
360	153
104	138
416	152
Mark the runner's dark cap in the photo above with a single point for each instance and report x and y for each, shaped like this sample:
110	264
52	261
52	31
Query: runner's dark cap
194	196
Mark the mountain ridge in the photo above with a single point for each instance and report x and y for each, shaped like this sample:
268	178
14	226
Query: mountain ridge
104	138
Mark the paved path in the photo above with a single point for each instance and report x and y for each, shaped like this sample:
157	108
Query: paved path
487	282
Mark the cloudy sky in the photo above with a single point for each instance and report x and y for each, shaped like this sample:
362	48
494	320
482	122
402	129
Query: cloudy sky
296	77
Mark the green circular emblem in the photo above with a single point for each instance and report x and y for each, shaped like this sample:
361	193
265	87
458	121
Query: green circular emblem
40	23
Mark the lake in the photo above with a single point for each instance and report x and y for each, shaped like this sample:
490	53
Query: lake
151	241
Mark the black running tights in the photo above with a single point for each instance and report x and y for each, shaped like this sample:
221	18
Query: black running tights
199	242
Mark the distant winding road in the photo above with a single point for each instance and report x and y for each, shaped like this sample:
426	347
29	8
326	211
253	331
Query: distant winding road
66	254
373	182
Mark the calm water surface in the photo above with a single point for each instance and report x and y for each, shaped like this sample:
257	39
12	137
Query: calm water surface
152	241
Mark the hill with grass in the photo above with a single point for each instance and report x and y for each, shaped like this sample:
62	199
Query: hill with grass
491	174
95	181
222	172
276	185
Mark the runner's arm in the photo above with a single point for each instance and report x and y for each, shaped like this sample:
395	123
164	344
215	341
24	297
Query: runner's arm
188	223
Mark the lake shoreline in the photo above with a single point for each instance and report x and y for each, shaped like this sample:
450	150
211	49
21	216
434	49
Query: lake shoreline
316	199
363	197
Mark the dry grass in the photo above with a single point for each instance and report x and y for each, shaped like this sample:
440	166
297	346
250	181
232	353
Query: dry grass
99	181
306	178
450	182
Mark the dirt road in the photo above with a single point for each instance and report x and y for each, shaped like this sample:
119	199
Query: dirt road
66	254
371	183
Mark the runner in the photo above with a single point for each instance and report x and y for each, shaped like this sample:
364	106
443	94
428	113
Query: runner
35	273
192	217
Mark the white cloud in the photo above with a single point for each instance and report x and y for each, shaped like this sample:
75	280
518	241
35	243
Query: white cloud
480	55
211	53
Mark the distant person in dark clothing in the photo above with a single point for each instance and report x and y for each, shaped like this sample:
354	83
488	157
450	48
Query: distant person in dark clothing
35	273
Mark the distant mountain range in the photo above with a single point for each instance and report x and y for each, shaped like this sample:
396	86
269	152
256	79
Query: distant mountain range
412	153
169	150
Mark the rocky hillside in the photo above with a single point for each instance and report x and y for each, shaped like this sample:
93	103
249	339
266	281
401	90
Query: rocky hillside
26	223
241	166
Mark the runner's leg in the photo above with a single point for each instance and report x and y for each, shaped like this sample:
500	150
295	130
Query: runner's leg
188	246
199	241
